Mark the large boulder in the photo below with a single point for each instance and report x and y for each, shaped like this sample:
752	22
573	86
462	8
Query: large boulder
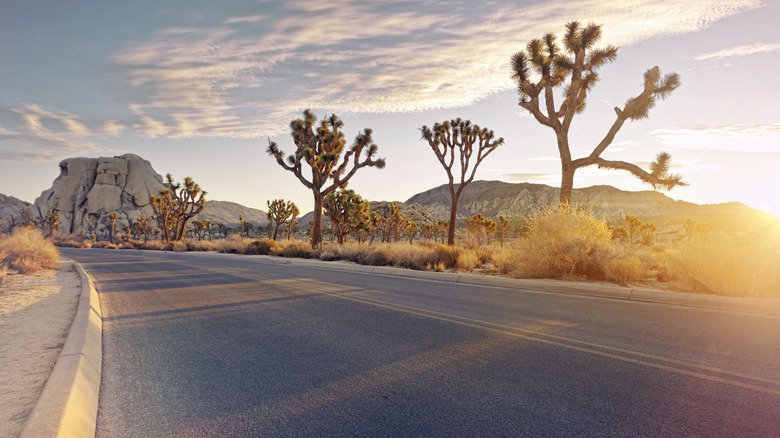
12	212
89	189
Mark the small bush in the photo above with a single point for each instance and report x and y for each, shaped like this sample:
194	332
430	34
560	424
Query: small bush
740	266
27	251
234	244
467	260
261	247
448	255
623	270
564	242
507	259
295	248
152	244
179	246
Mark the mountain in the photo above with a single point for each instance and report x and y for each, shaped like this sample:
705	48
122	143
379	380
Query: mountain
514	201
228	212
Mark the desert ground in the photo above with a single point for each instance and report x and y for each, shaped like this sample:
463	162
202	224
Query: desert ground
36	312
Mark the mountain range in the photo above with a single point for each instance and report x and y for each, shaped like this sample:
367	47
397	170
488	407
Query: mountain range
89	188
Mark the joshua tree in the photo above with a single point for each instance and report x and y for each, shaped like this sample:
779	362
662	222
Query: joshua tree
241	219
321	148
503	227
52	221
199	227
280	212
176	205
293	221
411	230
112	218
575	69
447	137
348	213
480	228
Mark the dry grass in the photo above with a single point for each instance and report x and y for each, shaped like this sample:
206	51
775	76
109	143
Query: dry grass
624	270
738	266
563	242
27	251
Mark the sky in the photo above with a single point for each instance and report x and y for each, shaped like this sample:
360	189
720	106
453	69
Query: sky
199	88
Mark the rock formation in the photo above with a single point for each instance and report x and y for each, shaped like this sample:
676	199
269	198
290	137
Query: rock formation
89	189
12	212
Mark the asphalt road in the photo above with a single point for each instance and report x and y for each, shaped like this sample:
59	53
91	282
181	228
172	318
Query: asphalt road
219	345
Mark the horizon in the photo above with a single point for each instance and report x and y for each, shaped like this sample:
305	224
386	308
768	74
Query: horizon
199	90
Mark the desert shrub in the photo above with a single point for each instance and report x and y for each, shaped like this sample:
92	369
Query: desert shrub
740	266
151	244
507	259
179	246
3	273
377	256
623	270
27	251
127	245
261	247
295	248
404	255
234	244
446	254
562	242
352	251
467	260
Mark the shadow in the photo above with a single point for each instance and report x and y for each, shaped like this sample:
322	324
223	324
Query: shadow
208	308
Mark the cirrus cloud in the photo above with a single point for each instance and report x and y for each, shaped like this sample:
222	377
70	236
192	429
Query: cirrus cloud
249	75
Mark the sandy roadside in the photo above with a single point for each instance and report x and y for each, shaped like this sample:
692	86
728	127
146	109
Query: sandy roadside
36	312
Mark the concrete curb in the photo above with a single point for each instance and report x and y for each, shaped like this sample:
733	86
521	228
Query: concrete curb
68	405
765	306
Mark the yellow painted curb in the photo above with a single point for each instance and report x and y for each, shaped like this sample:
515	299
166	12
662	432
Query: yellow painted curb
68	404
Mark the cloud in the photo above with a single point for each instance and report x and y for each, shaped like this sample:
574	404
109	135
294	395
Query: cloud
245	19
737	51
744	138
543	178
44	134
249	76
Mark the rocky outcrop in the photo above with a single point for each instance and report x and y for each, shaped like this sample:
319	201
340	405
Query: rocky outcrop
89	189
12	212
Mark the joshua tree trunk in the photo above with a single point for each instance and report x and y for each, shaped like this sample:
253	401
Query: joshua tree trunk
453	217
316	223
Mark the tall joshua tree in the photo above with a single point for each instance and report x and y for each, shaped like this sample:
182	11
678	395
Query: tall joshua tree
321	148
459	135
575	68
175	206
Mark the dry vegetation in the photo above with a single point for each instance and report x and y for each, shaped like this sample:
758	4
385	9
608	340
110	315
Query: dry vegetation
26	251
560	243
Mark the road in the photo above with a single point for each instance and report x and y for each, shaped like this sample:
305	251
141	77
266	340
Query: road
223	345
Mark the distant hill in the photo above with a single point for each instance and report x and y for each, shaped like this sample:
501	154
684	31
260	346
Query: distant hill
494	198
227	213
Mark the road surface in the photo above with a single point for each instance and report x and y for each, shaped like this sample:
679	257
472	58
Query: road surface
222	345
